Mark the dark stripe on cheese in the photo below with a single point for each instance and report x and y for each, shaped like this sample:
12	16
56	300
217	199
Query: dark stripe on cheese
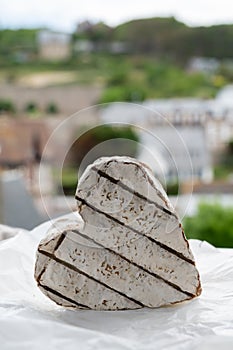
125	187
52	291
162	245
74	268
41	273
145	175
138	266
60	240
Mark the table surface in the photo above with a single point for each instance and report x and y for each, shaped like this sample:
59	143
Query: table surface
29	320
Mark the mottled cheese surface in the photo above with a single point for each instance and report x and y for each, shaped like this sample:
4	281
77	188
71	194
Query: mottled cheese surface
129	251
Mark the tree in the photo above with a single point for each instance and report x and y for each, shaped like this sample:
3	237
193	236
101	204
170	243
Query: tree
105	140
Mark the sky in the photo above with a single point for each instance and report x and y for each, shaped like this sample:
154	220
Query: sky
64	15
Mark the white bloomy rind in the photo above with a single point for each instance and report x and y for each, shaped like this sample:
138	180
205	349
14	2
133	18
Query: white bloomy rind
130	250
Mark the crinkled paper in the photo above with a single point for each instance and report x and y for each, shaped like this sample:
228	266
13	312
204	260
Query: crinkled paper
29	320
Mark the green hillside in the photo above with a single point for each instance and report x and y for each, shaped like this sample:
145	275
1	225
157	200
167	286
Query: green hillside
160	37
14	43
167	36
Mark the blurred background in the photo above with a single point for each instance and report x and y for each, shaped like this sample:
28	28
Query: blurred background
171	65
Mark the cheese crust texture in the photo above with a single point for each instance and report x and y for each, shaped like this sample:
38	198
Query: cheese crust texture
129	249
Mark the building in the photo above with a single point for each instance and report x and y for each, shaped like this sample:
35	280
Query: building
216	115
179	137
178	153
53	46
203	65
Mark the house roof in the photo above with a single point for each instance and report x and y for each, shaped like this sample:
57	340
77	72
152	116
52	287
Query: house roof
21	141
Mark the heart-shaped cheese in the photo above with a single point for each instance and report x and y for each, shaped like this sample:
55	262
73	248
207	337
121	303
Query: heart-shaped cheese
129	252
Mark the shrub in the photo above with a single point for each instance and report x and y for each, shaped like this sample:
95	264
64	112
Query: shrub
31	107
124	93
123	142
52	108
121	137
172	188
6	106
118	78
212	223
69	180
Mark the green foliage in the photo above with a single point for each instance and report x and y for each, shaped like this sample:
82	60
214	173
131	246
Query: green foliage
160	37
166	80
52	108
150	35
107	132
154	68
15	43
128	93
215	41
221	172
172	188
31	107
118	78
226	70
156	79
105	140
6	106
69	180
224	163
121	85
96	32
212	223
224	167
230	147
169	37
113	94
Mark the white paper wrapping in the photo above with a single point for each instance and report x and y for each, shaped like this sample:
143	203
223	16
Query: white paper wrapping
29	320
